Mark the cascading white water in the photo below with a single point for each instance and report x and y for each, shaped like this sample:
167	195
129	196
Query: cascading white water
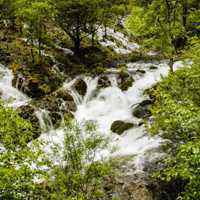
112	104
9	94
44	120
126	46
104	106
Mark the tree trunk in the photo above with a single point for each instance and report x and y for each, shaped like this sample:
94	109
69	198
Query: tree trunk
93	35
171	63
77	44
32	56
105	33
185	14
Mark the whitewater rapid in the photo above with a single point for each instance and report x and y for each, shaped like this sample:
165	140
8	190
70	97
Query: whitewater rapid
105	105
12	96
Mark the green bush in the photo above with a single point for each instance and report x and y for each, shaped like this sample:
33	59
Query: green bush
82	176
177	117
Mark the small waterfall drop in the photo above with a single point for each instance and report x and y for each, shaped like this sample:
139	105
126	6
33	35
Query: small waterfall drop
12	96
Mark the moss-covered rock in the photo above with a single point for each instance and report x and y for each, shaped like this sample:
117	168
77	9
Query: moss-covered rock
125	80
4	56
141	71
58	104
119	126
143	109
80	86
37	80
127	84
103	82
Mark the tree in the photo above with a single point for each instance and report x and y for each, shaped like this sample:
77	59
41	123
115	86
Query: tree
26	172
163	25
176	114
35	15
82	175
17	174
76	18
7	12
81	18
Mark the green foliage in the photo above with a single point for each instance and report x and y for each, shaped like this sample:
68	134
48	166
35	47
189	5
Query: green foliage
82	18
17	158
27	173
82	175
177	107
35	15
162	23
177	117
6	10
14	131
185	166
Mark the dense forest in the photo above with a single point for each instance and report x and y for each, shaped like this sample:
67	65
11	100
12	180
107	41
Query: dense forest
100	99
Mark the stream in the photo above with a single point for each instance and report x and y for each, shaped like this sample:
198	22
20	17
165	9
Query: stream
104	106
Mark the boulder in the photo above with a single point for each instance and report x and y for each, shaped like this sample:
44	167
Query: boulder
153	67
119	126
4	56
81	86
126	84
142	110
103	82
141	71
58	104
125	80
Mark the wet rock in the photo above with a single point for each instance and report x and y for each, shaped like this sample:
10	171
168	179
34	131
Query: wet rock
104	82
30	86
127	84
34	89
81	86
143	109
28	112
58	104
153	67
141	71
65	95
125	80
119	126
4	56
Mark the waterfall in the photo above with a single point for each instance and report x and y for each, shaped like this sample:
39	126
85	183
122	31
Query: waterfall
12	96
106	105
44	120
103	105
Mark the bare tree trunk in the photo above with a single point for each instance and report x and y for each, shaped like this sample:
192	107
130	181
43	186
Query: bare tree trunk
32	56
185	14
105	33
171	63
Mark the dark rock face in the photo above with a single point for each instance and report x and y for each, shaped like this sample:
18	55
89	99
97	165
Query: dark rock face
81	87
104	82
119	126
142	110
28	112
4	56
